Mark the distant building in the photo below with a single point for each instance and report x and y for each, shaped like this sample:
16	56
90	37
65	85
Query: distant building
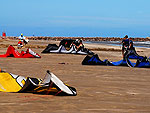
3	35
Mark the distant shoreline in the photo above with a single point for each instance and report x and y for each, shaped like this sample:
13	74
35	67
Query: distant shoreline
142	44
83	38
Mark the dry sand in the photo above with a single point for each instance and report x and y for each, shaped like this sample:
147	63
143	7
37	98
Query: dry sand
101	89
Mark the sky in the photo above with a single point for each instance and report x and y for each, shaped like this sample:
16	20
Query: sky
75	18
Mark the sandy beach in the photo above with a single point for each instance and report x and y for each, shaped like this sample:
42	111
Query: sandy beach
101	89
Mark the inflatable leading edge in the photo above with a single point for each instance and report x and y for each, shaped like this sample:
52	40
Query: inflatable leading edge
53	48
141	62
12	52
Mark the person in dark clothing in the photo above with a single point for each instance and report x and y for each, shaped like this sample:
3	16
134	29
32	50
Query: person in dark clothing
127	44
80	46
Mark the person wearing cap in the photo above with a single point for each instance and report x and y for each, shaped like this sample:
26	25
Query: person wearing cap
127	44
23	39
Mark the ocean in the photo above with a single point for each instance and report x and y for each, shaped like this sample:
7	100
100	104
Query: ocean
144	44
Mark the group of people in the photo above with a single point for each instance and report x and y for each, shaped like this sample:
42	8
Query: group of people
127	44
78	44
68	43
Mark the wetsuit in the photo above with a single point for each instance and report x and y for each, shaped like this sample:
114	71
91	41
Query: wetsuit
127	44
127	47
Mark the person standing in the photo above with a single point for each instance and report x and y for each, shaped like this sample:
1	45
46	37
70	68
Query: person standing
127	44
23	39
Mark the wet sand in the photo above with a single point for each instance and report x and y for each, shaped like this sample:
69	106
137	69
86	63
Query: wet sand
101	89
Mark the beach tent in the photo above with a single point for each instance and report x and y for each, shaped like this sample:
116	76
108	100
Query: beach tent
50	85
12	52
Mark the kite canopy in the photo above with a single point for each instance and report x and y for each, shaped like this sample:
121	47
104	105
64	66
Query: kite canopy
62	49
12	52
93	60
132	54
67	46
142	62
50	85
50	47
66	42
